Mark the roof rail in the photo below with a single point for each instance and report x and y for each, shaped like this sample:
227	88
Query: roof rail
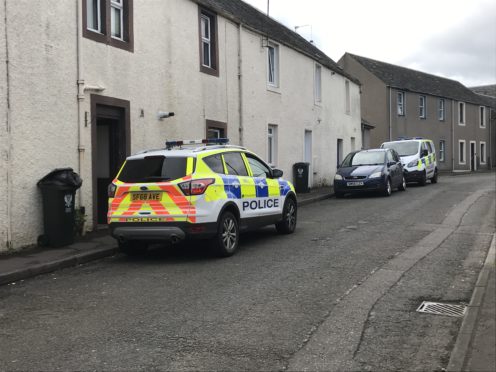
206	141
202	148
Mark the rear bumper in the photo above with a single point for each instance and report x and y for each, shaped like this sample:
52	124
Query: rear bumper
161	232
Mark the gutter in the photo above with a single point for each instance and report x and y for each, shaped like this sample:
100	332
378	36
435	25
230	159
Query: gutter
240	84
452	135
80	90
390	115
8	129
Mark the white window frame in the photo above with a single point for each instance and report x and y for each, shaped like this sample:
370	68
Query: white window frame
441	107
461	118
482	117
206	40
272	144
482	152
273	65
400	104
318	83
422	107
442	150
464	152
119	6
347	97
89	5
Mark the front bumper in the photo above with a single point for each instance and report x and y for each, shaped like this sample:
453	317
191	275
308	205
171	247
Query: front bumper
372	184
413	175
171	232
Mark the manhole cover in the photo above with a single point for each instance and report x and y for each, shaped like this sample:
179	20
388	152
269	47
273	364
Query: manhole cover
439	308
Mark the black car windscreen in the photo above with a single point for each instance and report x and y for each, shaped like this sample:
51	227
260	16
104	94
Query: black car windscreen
153	169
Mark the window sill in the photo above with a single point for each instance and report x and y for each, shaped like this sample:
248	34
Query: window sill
209	71
461	124
482	127
274	89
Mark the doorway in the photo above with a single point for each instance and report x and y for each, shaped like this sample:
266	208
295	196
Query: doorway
110	146
473	160
339	155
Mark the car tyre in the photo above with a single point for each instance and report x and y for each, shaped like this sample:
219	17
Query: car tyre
287	225
423	180
387	188
133	248
434	178
226	241
402	186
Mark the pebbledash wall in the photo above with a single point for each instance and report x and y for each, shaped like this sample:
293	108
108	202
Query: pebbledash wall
43	128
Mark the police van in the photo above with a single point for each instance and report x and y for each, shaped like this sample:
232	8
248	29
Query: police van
418	156
197	189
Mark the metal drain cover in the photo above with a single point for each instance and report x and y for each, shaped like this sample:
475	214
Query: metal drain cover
439	308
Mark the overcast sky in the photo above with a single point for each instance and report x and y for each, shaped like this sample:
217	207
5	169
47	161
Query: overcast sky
451	38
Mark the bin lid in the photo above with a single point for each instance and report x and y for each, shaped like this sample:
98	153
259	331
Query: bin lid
61	177
301	164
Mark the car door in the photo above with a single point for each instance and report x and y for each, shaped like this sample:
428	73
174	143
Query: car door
394	168
268	193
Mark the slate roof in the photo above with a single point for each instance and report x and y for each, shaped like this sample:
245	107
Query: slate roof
420	82
486	90
251	18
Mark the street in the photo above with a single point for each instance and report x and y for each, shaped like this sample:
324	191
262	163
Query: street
340	293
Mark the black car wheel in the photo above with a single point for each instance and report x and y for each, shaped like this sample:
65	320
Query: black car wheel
434	178
289	214
226	241
423	180
402	186
387	188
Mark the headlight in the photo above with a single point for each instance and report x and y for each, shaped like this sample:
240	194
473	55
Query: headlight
376	175
413	163
338	177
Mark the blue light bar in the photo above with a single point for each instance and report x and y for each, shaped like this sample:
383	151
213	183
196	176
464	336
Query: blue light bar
206	141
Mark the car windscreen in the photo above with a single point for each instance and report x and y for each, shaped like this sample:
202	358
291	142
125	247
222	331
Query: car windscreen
364	158
405	148
153	169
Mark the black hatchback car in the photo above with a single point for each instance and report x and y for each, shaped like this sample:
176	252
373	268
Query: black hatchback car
377	170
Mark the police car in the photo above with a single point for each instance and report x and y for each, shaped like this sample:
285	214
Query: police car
418	156
197	189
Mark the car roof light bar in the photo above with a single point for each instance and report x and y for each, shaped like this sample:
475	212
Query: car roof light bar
206	141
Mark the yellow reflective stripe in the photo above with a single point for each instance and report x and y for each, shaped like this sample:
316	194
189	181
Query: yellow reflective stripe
189	165
274	189
248	188
247	165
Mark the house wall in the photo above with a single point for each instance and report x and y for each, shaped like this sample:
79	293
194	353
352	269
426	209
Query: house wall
4	136
162	74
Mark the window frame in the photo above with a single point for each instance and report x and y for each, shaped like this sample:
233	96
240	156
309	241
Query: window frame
224	154
249	156
213	69
347	92
272	137
214	124
462	117
400	106
422	107
482	117
441	109
104	36
275	83
442	150
119	5
464	160
482	145
317	81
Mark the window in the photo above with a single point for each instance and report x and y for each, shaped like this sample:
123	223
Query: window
482	152
461	152
482	116
273	65
153	169
352	143
216	129
258	168
208	43
401	103
214	162
109	22
272	144
347	97
461	113
442	149
422	108
318	83
440	111
235	164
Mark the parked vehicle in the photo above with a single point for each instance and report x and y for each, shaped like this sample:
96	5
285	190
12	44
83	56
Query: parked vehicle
211	190
378	170
418	157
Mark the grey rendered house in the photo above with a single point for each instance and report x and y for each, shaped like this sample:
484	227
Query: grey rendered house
402	102
488	92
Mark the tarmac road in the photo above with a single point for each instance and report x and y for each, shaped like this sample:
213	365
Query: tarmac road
339	294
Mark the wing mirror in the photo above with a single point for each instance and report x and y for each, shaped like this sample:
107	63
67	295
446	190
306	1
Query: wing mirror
423	153
276	173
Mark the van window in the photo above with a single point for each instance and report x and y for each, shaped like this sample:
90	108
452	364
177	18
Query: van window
403	148
153	169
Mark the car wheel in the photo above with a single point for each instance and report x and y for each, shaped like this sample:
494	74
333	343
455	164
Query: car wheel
423	180
133	248
434	178
289	214
402	186
226	241
387	188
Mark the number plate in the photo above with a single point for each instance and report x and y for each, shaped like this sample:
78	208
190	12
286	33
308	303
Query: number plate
354	183
146	196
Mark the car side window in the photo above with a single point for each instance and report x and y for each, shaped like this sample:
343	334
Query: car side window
235	164
429	145
396	157
214	162
424	146
258	168
390	157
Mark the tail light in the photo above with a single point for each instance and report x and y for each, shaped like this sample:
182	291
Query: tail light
196	187
111	190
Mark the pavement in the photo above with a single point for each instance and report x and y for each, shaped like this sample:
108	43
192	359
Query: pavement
474	349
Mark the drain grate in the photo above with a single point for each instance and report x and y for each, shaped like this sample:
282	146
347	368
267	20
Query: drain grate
439	308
